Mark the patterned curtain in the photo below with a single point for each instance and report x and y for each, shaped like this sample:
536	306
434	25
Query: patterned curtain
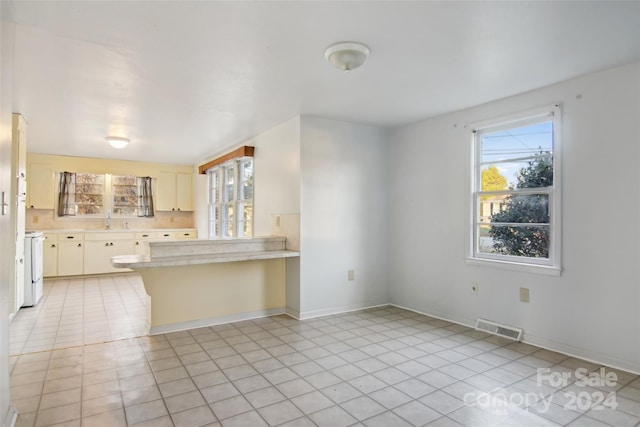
67	194
145	196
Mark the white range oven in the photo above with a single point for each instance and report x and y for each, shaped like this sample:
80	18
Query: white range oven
33	267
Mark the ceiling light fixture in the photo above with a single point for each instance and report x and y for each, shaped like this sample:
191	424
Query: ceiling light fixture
117	141
347	56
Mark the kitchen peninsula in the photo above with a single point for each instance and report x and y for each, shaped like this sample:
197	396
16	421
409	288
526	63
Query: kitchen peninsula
198	283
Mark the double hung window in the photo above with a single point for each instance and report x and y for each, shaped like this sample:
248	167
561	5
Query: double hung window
231	199
516	200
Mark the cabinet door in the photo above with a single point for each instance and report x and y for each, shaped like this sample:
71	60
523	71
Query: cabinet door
166	194
50	259
97	257
141	247
184	192
40	186
120	247
70	258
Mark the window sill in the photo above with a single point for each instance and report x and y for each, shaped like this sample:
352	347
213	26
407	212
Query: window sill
528	268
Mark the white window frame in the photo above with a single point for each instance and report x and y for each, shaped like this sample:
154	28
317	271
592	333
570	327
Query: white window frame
217	200
551	265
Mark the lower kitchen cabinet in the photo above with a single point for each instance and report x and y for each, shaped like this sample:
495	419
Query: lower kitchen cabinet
50	255
75	254
97	255
70	258
100	247
141	243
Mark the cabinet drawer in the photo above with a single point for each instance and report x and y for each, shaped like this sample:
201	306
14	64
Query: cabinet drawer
70	236
148	235
186	234
109	236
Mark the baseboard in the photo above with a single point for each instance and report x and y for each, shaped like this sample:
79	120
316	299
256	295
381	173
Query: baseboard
581	353
11	417
213	321
567	350
463	322
337	310
292	313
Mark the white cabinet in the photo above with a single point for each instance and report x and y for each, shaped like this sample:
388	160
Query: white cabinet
186	234
50	255
40	186
70	254
100	247
175	192
141	243
184	192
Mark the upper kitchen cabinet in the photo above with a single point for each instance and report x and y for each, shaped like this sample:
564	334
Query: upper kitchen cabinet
175	191
40	186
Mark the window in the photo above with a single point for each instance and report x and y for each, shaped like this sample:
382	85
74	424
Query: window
89	194
516	210
231	199
125	195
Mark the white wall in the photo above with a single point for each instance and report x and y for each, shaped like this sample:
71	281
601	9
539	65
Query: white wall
7	242
344	217
277	174
593	309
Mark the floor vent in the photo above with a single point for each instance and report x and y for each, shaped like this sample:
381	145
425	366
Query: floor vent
498	329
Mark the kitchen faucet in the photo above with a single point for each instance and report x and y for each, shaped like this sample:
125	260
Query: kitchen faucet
109	219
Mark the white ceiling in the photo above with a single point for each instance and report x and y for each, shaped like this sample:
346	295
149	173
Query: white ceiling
185	80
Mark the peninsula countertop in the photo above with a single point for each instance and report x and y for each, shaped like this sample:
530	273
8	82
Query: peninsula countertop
194	252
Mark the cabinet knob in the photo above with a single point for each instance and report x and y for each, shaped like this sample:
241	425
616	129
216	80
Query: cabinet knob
111	244
178	208
137	243
145	235
173	209
53	246
79	245
31	206
165	235
21	261
106	244
69	237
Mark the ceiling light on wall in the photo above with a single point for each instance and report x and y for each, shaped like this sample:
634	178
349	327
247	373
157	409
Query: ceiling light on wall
117	141
347	56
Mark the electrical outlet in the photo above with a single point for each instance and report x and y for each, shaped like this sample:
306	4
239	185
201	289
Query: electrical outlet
350	275
524	294
474	288
277	220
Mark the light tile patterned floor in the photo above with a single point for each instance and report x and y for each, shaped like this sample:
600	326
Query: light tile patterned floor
380	367
80	311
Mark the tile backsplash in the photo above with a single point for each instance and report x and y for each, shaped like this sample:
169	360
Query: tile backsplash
45	219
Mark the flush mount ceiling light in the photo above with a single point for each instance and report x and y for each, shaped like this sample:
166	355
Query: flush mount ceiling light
117	141
347	56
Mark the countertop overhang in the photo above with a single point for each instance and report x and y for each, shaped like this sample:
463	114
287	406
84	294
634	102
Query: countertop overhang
194	252
142	261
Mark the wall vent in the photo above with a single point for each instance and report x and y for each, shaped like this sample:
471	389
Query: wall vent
498	329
